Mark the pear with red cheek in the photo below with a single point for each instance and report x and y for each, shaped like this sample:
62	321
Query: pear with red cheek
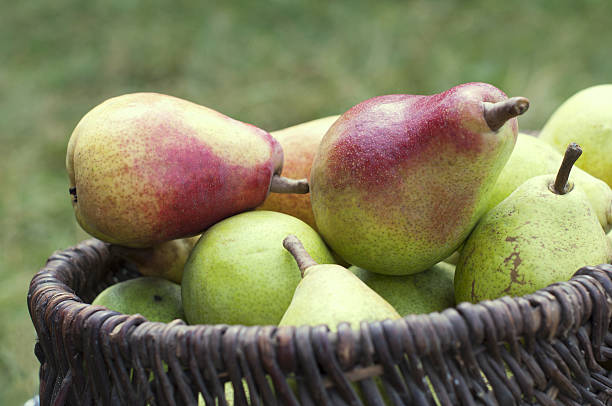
146	168
300	144
399	181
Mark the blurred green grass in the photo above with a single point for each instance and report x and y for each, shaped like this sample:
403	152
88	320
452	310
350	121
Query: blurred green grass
273	64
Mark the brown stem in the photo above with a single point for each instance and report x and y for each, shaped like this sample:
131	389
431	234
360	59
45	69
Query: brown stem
572	153
496	114
281	184
302	257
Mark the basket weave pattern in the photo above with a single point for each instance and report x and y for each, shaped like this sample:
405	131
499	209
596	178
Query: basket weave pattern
547	348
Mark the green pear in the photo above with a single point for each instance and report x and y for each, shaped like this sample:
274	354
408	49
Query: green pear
155	298
399	181
239	273
229	394
423	292
542	233
331	294
454	257
165	260
146	168
585	118
532	157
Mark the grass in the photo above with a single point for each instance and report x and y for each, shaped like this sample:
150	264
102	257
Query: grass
272	64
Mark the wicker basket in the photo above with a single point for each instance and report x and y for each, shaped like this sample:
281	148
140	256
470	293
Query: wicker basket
547	348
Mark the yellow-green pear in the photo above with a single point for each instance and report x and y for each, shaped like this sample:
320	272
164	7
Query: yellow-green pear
331	294
423	292
454	257
532	157
146	168
542	233
239	273
585	118
157	299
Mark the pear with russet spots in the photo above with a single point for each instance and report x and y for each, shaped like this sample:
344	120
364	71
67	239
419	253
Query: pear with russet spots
532	157
399	181
541	234
145	168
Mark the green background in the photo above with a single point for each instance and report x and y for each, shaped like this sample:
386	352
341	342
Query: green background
270	63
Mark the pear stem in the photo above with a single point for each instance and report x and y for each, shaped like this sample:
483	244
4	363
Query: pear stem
572	153
302	257
496	114
280	184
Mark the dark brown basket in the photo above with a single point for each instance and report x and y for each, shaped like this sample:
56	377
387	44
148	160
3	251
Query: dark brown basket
554	343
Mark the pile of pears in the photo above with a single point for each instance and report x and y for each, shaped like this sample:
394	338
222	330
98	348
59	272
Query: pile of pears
404	204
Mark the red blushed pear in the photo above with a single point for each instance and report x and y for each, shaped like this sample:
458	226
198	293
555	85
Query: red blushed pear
300	144
399	181
146	168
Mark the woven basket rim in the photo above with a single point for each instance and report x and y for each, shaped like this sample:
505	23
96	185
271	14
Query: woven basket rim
482	327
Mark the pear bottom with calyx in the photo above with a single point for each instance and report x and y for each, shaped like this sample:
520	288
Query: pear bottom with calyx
420	293
536	236
331	294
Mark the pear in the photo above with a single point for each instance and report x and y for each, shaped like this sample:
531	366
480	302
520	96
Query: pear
165	260
300	144
586	118
146	168
532	157
155	298
423	292
239	273
331	294
542	233
399	181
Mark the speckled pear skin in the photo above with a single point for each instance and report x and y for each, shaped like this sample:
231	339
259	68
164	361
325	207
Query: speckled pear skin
533	157
400	180
420	293
531	239
300	144
239	272
586	119
331	294
149	168
155	298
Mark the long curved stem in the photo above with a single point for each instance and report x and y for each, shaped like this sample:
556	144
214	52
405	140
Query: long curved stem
496	114
302	257
572	153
